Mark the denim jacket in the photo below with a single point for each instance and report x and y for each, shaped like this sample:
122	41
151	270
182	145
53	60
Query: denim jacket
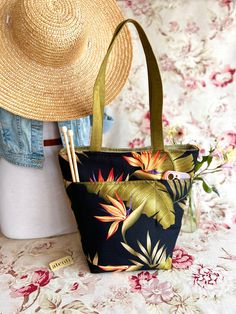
21	140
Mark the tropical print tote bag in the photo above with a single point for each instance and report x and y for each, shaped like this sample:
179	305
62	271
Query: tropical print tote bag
128	215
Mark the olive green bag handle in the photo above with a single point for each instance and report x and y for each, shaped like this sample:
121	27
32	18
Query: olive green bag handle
155	93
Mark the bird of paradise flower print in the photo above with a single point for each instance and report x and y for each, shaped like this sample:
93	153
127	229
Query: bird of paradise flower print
150	163
110	177
117	211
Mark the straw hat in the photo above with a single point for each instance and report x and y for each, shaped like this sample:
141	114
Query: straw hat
50	54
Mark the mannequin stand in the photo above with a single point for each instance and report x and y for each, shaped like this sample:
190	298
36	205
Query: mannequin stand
33	202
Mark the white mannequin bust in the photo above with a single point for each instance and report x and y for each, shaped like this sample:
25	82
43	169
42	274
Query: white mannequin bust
33	202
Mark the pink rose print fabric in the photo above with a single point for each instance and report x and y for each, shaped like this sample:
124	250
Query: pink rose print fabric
181	259
205	276
28	283
154	291
195	45
223	77
139	281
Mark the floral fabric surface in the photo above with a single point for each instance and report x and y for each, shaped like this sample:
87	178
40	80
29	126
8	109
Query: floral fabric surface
202	280
195	44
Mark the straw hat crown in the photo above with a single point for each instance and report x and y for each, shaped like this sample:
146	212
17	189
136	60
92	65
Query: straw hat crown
51	32
50	54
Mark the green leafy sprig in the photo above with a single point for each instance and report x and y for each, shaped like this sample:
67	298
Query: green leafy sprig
203	167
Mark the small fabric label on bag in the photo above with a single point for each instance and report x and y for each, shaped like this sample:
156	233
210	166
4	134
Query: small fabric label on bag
61	262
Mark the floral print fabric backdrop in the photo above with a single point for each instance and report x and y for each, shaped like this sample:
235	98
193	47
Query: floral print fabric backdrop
195	44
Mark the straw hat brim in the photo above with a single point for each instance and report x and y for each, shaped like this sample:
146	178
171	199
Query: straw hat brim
39	92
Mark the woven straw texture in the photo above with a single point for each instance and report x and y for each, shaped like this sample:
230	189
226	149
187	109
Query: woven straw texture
50	54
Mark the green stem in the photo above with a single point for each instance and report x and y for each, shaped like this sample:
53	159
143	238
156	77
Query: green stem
190	209
208	170
191	212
